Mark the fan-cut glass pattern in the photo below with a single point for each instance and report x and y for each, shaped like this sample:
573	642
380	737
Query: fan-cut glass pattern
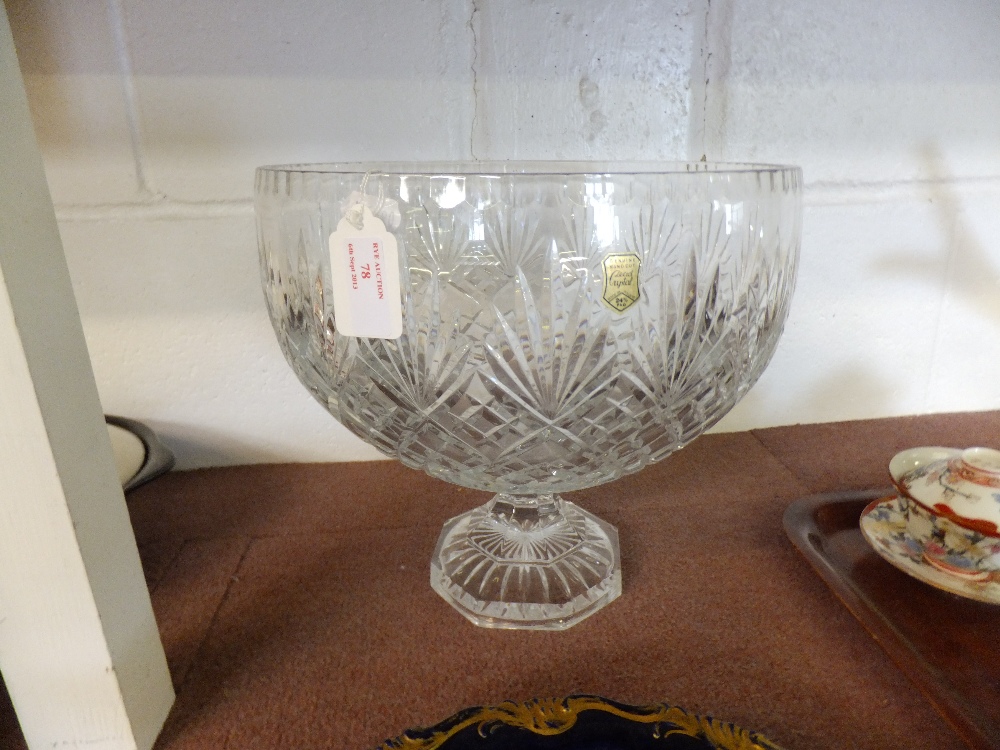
563	325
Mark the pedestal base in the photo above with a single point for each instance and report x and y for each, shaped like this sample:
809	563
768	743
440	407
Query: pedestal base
533	563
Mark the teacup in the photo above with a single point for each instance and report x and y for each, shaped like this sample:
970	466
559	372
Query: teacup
951	501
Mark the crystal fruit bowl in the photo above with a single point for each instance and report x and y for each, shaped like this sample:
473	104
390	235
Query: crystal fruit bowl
529	329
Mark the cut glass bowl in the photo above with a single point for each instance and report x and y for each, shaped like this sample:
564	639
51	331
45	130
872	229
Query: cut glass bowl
558	326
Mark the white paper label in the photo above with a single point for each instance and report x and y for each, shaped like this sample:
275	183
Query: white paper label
365	269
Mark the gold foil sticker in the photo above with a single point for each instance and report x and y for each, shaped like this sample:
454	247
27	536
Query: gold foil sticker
621	280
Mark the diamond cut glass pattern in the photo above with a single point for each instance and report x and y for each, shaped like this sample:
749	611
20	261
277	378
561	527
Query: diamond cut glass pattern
517	371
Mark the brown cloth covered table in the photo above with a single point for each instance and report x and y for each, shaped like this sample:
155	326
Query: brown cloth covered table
296	611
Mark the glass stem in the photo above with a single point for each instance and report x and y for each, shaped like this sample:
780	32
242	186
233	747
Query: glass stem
526	512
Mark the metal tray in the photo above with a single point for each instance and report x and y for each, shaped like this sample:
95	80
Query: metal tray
949	646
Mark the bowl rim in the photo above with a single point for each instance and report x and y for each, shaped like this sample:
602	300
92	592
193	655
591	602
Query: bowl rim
500	168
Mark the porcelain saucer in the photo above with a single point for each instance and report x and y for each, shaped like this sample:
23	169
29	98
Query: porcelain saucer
883	524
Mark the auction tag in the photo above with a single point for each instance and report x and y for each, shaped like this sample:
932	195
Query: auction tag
365	269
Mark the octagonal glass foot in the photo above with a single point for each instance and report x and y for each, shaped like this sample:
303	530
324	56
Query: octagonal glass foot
533	562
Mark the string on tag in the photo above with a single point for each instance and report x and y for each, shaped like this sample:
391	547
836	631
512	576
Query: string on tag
385	208
355	214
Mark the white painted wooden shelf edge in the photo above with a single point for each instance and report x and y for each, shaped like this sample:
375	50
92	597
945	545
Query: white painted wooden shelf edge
79	648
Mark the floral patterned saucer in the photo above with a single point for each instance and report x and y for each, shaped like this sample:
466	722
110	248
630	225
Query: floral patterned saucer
884	525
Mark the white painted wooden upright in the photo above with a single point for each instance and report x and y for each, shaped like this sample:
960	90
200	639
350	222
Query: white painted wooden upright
79	649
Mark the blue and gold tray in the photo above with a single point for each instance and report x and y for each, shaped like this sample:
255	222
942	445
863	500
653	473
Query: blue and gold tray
579	722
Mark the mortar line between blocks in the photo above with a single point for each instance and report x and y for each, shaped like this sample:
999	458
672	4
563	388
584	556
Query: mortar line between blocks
849	193
938	341
116	16
698	86
818	194
158	210
475	79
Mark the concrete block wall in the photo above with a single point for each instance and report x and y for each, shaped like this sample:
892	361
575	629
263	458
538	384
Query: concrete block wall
153	115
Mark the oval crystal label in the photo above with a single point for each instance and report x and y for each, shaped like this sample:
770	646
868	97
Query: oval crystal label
621	280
